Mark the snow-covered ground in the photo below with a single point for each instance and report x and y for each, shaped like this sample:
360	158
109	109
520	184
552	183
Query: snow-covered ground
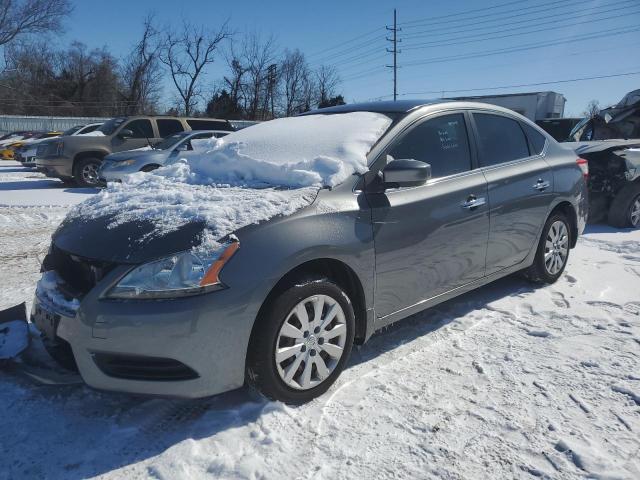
507	381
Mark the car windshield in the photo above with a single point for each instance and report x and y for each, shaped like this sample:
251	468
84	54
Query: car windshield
112	125
170	141
71	130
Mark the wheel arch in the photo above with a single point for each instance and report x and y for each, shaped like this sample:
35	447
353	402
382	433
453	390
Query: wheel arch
99	154
336	270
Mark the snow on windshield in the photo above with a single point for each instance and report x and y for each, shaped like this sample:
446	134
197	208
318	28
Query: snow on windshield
269	169
321	150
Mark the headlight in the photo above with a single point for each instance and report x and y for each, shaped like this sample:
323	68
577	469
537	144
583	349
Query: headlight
180	275
125	162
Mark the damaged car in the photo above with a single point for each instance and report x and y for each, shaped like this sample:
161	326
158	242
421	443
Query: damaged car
614	181
263	260
610	142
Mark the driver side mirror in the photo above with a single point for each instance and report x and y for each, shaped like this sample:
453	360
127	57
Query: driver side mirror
125	133
406	173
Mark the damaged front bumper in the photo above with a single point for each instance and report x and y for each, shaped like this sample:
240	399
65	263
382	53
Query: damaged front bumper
188	347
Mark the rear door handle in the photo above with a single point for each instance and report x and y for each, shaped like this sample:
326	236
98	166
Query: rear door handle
473	202
541	185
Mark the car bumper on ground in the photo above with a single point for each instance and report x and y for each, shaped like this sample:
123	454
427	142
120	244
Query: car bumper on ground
190	347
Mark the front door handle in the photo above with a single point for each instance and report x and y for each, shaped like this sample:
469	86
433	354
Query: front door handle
473	202
541	185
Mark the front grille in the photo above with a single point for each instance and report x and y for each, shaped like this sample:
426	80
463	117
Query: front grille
80	274
132	367
46	149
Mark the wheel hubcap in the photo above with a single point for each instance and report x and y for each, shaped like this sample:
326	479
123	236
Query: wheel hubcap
311	342
556	247
634	213
90	173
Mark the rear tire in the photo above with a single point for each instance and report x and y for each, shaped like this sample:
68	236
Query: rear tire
553	249
625	207
85	172
302	342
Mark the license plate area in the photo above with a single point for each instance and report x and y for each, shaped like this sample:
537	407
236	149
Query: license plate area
46	321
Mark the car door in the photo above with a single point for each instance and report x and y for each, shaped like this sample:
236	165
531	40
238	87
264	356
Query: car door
520	183
143	134
431	238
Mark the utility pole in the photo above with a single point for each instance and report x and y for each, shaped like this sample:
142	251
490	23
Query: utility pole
395	52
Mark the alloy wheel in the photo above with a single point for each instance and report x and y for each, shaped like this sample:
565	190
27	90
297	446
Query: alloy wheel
311	342
634	212
556	247
90	174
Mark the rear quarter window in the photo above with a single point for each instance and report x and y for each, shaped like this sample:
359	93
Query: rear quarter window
536	139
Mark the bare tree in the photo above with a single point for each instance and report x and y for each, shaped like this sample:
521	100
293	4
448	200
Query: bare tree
259	59
19	18
593	108
296	83
327	81
140	72
234	81
186	54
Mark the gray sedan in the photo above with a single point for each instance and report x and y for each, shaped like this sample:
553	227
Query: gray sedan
456	195
117	166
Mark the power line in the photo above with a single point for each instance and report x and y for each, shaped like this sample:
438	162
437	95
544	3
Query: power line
474	19
521	85
519	32
519	48
464	12
341	44
448	31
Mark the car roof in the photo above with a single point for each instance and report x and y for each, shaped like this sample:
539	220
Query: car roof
390	106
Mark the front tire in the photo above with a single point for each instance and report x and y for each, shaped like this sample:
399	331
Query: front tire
85	172
552	253
302	342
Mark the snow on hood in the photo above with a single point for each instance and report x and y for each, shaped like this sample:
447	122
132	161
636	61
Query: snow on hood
270	169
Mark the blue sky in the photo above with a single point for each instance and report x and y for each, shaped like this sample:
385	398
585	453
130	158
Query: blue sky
446	45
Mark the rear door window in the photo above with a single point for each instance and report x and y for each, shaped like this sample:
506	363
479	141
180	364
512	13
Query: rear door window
167	126
141	128
500	139
442	142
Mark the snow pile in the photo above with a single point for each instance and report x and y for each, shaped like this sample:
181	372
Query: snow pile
270	169
47	291
321	150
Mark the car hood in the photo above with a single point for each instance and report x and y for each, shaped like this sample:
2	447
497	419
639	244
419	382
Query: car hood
131	242
133	154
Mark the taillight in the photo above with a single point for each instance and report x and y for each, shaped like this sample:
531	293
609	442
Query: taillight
584	166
